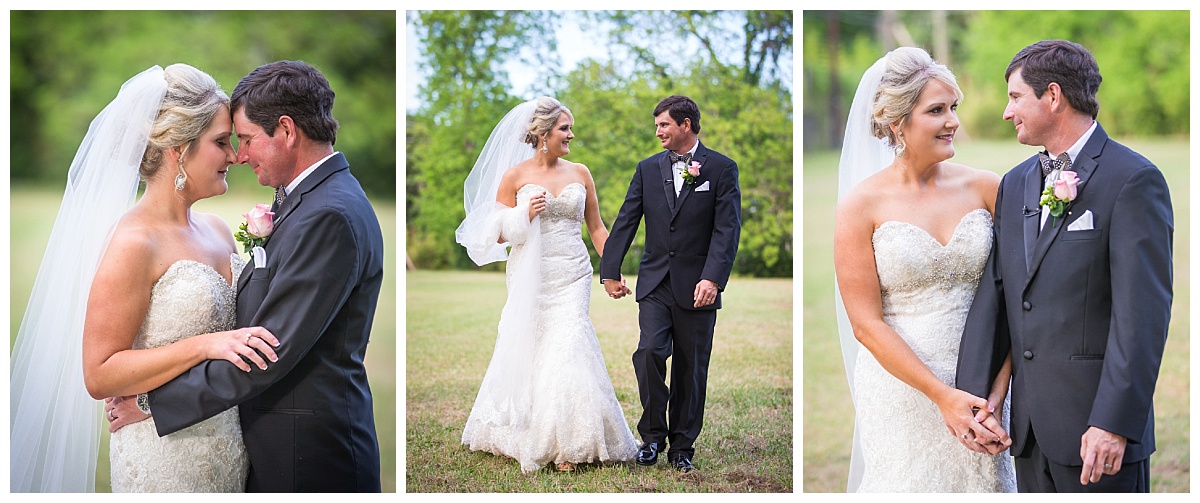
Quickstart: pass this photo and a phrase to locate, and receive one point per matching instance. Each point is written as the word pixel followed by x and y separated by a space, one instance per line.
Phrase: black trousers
pixel 672 416
pixel 1037 474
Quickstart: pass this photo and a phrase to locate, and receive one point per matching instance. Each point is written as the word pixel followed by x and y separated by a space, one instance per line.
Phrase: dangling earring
pixel 900 148
pixel 181 178
pixel 544 147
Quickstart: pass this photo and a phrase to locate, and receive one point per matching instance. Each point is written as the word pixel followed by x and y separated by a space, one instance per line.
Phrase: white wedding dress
pixel 927 291
pixel 574 416
pixel 189 299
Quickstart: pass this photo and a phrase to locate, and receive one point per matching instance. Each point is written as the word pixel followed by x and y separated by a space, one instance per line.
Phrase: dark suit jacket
pixel 1084 312
pixel 307 420
pixel 693 238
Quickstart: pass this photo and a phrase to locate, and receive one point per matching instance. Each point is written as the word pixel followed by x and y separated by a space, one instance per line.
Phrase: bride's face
pixel 558 139
pixel 208 160
pixel 929 133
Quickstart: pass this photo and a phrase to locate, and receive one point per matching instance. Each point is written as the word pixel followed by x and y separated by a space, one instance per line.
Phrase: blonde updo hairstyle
pixel 545 116
pixel 907 71
pixel 192 101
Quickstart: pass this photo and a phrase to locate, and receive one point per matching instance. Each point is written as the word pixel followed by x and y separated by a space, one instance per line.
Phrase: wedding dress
pixel 927 291
pixel 572 414
pixel 189 299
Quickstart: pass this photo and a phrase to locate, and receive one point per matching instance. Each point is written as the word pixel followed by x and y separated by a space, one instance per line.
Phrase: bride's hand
pixel 237 346
pixel 956 408
pixel 121 411
pixel 537 204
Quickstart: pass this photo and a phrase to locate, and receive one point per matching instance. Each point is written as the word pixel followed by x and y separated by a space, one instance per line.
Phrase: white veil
pixel 862 156
pixel 55 425
pixel 504 396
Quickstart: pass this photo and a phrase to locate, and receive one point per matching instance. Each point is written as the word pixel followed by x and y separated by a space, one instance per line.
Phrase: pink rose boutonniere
pixel 691 173
pixel 258 225
pixel 1059 194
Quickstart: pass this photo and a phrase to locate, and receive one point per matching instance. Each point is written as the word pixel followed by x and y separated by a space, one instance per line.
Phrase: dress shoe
pixel 683 463
pixel 647 454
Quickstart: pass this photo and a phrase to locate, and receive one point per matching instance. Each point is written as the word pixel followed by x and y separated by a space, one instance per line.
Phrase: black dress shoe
pixel 647 454
pixel 683 463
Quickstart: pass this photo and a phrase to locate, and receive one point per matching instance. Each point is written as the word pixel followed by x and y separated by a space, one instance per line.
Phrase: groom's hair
pixel 1065 62
pixel 292 88
pixel 680 108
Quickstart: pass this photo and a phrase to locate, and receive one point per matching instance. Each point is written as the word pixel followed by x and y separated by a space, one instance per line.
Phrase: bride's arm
pixel 118 302
pixel 858 280
pixel 591 213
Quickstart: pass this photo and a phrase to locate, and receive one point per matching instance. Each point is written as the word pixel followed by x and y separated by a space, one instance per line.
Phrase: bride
pixel 546 396
pixel 127 298
pixel 911 236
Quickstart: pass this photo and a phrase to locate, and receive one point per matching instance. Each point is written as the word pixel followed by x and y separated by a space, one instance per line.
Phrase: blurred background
pixel 1144 59
pixel 67 65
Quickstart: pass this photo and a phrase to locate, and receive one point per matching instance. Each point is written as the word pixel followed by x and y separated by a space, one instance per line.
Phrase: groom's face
pixel 1029 114
pixel 674 137
pixel 264 154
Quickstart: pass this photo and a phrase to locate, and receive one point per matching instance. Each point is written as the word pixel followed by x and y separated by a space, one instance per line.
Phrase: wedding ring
pixel 1107 466
pixel 110 416
pixel 248 336
pixel 964 436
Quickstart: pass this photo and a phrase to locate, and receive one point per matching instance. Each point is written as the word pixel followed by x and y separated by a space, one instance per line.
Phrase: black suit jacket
pixel 307 420
pixel 1085 312
pixel 694 236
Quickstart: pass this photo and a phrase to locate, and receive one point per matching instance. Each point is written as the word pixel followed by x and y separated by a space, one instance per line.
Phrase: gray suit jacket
pixel 307 420
pixel 1084 312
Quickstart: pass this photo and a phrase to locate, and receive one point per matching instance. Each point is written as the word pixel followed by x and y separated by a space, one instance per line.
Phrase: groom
pixel 690 199
pixel 1080 301
pixel 307 420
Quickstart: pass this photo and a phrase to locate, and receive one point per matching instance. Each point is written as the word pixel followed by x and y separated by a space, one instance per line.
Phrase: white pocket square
pixel 260 257
pixel 1083 223
pixel 703 187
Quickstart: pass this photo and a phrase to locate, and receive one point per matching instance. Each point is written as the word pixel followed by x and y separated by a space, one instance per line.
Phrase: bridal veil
pixel 55 425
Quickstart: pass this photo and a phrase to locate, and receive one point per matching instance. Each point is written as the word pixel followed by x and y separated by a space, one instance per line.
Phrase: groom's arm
pixel 985 340
pixel 317 271
pixel 1140 265
pixel 727 229
pixel 624 229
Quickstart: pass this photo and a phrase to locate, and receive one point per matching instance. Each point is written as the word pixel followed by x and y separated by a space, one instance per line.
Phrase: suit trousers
pixel 1037 474
pixel 674 415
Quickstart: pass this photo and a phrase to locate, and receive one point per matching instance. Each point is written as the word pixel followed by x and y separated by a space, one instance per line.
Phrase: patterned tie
pixel 1063 162
pixel 676 157
pixel 280 194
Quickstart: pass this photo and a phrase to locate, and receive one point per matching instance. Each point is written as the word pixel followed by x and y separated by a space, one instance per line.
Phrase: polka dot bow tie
pixel 1063 162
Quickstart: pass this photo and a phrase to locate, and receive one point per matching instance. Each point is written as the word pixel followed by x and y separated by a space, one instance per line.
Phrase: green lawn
pixel 828 412
pixel 746 445
pixel 32 213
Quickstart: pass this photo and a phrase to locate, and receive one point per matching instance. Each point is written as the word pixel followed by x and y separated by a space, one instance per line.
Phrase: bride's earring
pixel 545 149
pixel 181 178
pixel 900 148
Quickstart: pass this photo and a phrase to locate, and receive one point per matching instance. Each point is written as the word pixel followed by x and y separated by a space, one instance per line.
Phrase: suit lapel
pixel 1031 196
pixel 664 170
pixel 1084 166
pixel 244 278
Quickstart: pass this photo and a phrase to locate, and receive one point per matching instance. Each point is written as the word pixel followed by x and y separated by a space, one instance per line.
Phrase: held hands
pixel 705 293
pixel 1102 452
pixel 616 290
pixel 537 204
pixel 122 410
pixel 237 346
pixel 969 419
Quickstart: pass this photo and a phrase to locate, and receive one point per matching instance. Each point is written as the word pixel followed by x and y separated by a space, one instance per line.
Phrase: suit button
pixel 1028 355
pixel 672 254
pixel 672 228
pixel 1027 305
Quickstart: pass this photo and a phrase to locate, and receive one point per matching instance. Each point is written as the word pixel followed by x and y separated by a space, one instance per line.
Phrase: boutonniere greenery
pixel 258 225
pixel 691 173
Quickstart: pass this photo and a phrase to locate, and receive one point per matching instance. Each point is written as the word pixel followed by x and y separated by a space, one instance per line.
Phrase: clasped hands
pixel 972 420
pixel 704 295
pixel 616 289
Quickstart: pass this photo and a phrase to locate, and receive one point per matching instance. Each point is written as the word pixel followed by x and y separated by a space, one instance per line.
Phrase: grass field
pixel 32 213
pixel 828 413
pixel 746 445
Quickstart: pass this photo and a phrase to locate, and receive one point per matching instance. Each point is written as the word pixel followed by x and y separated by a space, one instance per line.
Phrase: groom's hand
pixel 705 294
pixel 616 289
pixel 1102 452
pixel 122 410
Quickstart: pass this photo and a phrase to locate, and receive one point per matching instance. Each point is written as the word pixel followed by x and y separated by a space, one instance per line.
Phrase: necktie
pixel 677 158
pixel 280 194
pixel 1063 162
